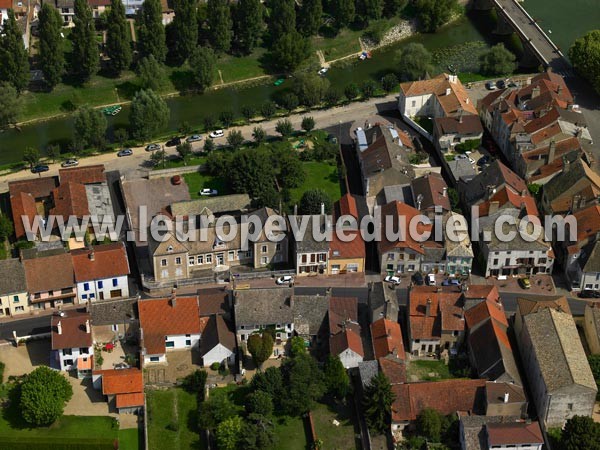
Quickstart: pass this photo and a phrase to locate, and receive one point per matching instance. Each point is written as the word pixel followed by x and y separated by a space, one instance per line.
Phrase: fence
pixel 165 173
pixel 262 274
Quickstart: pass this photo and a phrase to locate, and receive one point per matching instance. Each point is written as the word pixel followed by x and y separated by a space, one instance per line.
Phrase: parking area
pixel 541 284
pixel 24 358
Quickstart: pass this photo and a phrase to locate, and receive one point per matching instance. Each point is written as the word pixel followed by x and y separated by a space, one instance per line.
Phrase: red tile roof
pixel 348 206
pixel 70 199
pixel 342 310
pixel 73 331
pixel 5 4
pixel 130 400
pixel 387 339
pixel 49 273
pixel 22 199
pixel 433 190
pixel 121 381
pixel 165 317
pixel 354 248
pixel 484 291
pixel 501 434
pixel 348 339
pixel 452 312
pixel 446 397
pixel 451 103
pixel 37 187
pixel 22 205
pixel 588 222
pixel 394 369
pixel 212 301
pixel 483 311
pixel 445 312
pixel 109 260
pixel 507 195
pixel 395 210
pixel 83 175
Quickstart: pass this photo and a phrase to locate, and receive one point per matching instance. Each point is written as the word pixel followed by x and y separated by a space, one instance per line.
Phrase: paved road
pixel 25 327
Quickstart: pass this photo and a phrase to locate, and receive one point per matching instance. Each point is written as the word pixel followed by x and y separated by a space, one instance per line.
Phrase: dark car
pixel 588 293
pixel 418 279
pixel 332 138
pixel 451 282
pixel 40 168
pixel 500 84
pixel 174 142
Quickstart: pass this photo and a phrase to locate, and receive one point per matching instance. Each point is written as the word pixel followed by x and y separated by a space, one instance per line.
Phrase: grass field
pixel 319 175
pixel 172 420
pixel 235 68
pixel 289 434
pixel 197 181
pixel 177 162
pixel 424 370
pixel 334 437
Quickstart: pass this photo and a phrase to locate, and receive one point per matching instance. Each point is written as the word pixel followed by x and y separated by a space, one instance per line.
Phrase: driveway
pixel 25 358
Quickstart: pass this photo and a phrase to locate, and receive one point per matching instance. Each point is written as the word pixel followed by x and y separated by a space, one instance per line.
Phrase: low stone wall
pixel 166 173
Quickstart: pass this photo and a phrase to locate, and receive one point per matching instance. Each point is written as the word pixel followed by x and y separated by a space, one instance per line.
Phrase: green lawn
pixel 177 162
pixel 428 370
pixel 129 439
pixel 425 122
pixel 172 420
pixel 340 437
pixel 289 434
pixel 235 68
pixel 197 181
pixel 319 175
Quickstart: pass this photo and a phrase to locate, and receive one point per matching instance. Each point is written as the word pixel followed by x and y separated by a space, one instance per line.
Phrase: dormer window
pixel 170 248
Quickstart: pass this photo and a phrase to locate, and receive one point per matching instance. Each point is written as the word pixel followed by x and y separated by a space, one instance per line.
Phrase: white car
pixel 216 134
pixel 70 163
pixel 208 191
pixel 392 279
pixel 430 279
pixel 461 156
pixel 286 279
pixel 323 71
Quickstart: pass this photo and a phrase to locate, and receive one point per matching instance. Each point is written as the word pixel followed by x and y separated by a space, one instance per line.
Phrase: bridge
pixel 538 48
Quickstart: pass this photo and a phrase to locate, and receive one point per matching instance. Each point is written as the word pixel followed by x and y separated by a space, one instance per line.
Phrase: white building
pixel 71 335
pixel 13 288
pixel 218 342
pixel 101 272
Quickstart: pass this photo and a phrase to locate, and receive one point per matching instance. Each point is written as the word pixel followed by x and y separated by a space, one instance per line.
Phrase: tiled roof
pixel 495 175
pixel 445 311
pixel 446 397
pixel 49 273
pixel 594 309
pixel 309 313
pixel 348 339
pixel 354 248
pixel 213 301
pixel 451 103
pixel 73 332
pixel 37 187
pixel 511 434
pixel 163 317
pixel 588 222
pixel 12 277
pixel 431 190
pixel 507 195
pixel 387 339
pixel 121 381
pixel 482 291
pixel 215 205
pixel 342 310
pixel 70 199
pixel 495 391
pixel 101 262
pixel 394 369
pixel 83 175
pixel 347 206
pixel 263 306
pixel 452 312
pixel 465 124
pixel 532 303
pixel 395 210
pixel 130 400
pixel 22 199
pixel 22 205
pixel 216 332
pixel 484 310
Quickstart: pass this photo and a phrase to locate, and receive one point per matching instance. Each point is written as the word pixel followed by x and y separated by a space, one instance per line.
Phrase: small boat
pixel 112 110
pixel 279 82
pixel 323 71
pixel 116 111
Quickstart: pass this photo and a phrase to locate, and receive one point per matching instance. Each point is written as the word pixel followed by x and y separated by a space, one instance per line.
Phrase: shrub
pixel 215 366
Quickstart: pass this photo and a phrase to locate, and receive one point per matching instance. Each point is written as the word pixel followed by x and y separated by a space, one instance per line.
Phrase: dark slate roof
pixel 308 244
pixel 591 261
pixel 309 313
pixel 216 332
pixel 383 302
pixel 565 180
pixel 263 306
pixel 12 277
pixel 367 370
pixel 109 312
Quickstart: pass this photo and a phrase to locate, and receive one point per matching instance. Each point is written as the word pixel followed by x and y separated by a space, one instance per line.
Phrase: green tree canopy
pixel 184 30
pixel 378 399
pixel 581 432
pixel 432 14
pixel 51 56
pixel 269 381
pixel 336 377
pixel 219 20
pixel 14 62
pixel 304 383
pixel 289 51
pixel 203 62
pixel 308 123
pixel 414 62
pixel 309 19
pixel 89 128
pixel 259 134
pixel 429 424
pixel 311 200
pixel 151 31
pixel 282 18
pixel 31 156
pixel 351 91
pixel 12 104
pixel 235 139
pixel 249 24
pixel 118 44
pixel 215 410
pixel 44 393
pixel 85 59
pixel 259 402
pixel 257 433
pixel 585 55
pixel 151 73
pixel 370 9
pixel 229 433
pixel 184 150
pixel 394 7
pixel 149 114
pixel 389 82
pixel 268 110
pixel 289 101
pixel 297 346
pixel 343 12
pixel 6 227
pixel 291 173
pixel 497 61
pixel 310 88
pixel 284 128
pixel 260 346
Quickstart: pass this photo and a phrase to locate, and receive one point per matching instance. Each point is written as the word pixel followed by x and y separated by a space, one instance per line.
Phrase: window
pixel 200 259
pixel 570 406
pixel 303 259
pixel 92 295
pixel 178 261
pixel 322 257
pixel 163 263
pixel 243 337
pixel 86 286
pixel 542 260
pixel 114 327
pixel 277 247
pixel 231 256
pixel 170 248
pixel 188 342
pixel 164 274
pixel 191 260
pixel 187 335
pixel 263 249
pixel 412 256
pixel 170 344
pixel 115 282
pixel 264 260
pixel 84 350
pixel 208 259
pixel 414 103
pixel 68 362
pixel 154 359
pixel 313 258
pixel 19 309
pixel 495 263
pixel 83 296
pixel 391 256
pixel 100 284
pixel 67 351
pixel 16 299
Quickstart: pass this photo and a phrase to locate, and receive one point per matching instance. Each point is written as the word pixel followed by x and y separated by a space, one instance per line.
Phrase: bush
pixel 173 426
pixel 467 146
pixel 215 366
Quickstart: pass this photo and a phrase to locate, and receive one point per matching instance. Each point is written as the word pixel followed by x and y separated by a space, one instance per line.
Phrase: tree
pixel 304 383
pixel 248 112
pixel 219 20
pixel 289 51
pixel 209 146
pixel 51 56
pixel 195 382
pixel 282 19
pixel 351 91
pixel 269 381
pixel 214 410
pixel 184 30
pixel 498 60
pixel 394 7
pixel 310 88
pixel 149 114
pixel 415 62
pixel 268 110
pixel 311 201
pixel 44 393
pixel 202 61
pixel 336 377
pixel 11 103
pixel 118 45
pixel 6 227
pixel 53 152
pixel 158 157
pixel 184 150
pixel 209 122
pixel 297 346
pixel 343 12
pixel 14 63
pixel 581 432
pixel 31 156
pixel 235 139
pixel 284 128
pixel 429 424
pixel 259 134
pixel 89 128
pixel 85 58
pixel 260 347
pixel 432 14
pixel 226 117
pixel 289 101
pixel 292 172
pixel 585 56
pixel 248 25
pixel 151 73
pixel 378 399
pixel 151 31
pixel 308 123
pixel 229 433
pixel 332 96
pixel 368 88
pixel 259 402
pixel 257 433
pixel 371 9
pixel 309 20
pixel 389 82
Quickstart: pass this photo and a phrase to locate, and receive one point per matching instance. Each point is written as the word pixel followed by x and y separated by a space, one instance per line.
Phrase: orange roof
pixel 387 339
pixel 483 311
pixel 83 175
pixel 394 369
pixel 451 102
pixel 588 222
pixel 130 400
pixel 166 317
pixel 22 205
pixel 484 291
pixel 347 339
pixel 342 310
pixel 395 210
pixel 445 311
pixel 348 206
pixel 507 195
pixel 103 261
pixel 121 381
pixel 70 199
pixel 354 248
pixel 452 312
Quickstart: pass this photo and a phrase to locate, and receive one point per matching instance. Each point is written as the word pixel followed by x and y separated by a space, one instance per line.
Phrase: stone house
pixel 13 288
pixel 591 327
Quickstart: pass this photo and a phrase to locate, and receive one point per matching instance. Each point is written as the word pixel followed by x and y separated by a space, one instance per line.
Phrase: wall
pixel 218 354
pixel 161 359
pixel 421 348
pixel 350 358
pixel 8 301
pixel 180 341
pixel 401 261
pixel 343 265
pixel 591 334
pixel 272 254
pixel 104 292
pixel 514 255
pixel 171 271
pixel 166 173
pixel 73 356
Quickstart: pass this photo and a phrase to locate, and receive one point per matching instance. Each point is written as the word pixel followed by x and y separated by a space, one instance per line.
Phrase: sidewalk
pixel 541 284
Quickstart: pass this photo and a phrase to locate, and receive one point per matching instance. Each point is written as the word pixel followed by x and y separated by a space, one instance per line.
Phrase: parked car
pixel 501 84
pixel 490 86
pixel 125 152
pixel 286 279
pixel 485 159
pixel 70 163
pixel 216 134
pixel 588 293
pixel 152 147
pixel 430 279
pixel 173 142
pixel 524 283
pixel 194 138
pixel 450 282
pixel 40 168
pixel 323 71
pixel 417 278
pixel 208 191
pixel 464 156
pixel 392 280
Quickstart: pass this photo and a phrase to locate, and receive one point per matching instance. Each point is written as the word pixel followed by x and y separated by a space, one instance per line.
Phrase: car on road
pixel 125 152
pixel 208 191
pixel 216 134
pixel 152 147
pixel 525 283
pixel 173 142
pixel 588 293
pixel 40 168
pixel 70 163
pixel 463 156
pixel 286 279
pixel 194 138
pixel 501 84
pixel 490 86
pixel 392 280
pixel 417 278
pixel 450 282
pixel 430 279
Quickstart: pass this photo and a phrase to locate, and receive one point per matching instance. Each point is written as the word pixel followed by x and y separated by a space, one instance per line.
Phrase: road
pixel 24 327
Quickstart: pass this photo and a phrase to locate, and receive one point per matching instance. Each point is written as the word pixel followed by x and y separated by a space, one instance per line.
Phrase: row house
pixel 71 342
pixel 499 432
pixel 347 256
pixel 312 250
pixel 448 132
pixel 344 331
pixel 13 288
pixel 50 280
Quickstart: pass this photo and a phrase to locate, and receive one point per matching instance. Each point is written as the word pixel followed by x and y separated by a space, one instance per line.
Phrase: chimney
pixel 491 190
pixel 322 208
pixel 559 90
pixel 59 327
pixel 467 100
pixel 428 308
pixel 566 164
pixel 374 138
pixel 506 396
pixel 460 115
pixel 87 326
pixel 419 201
pixel 535 92
pixel 448 91
pixel 493 207
pixel 91 255
pixel 551 151
pixel 575 203
pixel 444 191
pixel 173 300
